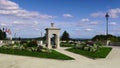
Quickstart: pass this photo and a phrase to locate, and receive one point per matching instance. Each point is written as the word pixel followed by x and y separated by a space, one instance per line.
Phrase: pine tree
pixel 65 36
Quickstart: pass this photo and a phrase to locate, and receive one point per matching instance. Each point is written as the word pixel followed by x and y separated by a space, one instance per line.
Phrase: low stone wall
pixel 114 43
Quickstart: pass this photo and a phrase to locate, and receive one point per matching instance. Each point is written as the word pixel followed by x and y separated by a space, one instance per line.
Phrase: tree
pixel 65 36
pixel 2 35
pixel 103 38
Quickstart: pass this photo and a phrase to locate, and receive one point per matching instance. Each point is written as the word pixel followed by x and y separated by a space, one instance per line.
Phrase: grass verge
pixel 52 55
pixel 100 53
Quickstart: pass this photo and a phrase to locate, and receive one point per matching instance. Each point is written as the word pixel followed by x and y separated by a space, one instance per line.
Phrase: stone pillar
pixel 48 41
pixel 40 42
pixel 57 41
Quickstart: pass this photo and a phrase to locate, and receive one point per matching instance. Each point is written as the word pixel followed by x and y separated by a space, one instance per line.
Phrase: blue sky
pixel 80 18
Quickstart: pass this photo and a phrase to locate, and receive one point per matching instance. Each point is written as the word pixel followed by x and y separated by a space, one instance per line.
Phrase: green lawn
pixel 100 53
pixel 52 55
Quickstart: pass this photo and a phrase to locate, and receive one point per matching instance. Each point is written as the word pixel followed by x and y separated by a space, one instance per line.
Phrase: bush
pixel 15 47
pixel 86 48
pixel 23 42
pixel 66 44
pixel 79 46
pixel 93 49
pixel 39 48
pixel 32 44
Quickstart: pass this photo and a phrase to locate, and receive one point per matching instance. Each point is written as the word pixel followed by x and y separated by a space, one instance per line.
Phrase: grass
pixel 100 53
pixel 52 55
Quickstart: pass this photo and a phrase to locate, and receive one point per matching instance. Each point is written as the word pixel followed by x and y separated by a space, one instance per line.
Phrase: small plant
pixel 86 48
pixel 93 49
pixel 39 48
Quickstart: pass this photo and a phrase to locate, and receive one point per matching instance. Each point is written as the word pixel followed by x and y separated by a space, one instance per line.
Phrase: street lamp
pixel 107 16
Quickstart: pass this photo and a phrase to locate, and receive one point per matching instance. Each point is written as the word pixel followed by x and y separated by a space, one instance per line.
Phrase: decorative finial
pixel 52 24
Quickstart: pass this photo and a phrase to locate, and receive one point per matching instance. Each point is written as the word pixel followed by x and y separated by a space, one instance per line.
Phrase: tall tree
pixel 2 35
pixel 65 36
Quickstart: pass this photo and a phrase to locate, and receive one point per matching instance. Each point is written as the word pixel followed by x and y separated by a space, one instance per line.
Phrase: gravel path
pixel 12 61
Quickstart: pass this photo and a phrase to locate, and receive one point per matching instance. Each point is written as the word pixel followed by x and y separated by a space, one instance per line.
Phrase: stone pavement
pixel 12 61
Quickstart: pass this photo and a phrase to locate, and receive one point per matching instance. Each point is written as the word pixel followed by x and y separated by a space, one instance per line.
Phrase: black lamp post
pixel 106 26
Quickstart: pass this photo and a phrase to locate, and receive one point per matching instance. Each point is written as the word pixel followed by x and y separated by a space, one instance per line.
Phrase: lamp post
pixel 107 16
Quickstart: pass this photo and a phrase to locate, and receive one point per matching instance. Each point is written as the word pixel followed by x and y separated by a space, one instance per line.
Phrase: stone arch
pixel 52 31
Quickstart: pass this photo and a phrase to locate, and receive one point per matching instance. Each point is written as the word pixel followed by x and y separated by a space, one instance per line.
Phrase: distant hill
pixel 104 37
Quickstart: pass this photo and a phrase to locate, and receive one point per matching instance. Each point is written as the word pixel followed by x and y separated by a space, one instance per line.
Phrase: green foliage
pixel 99 38
pixel 66 44
pixel 23 42
pixel 32 44
pixel 2 34
pixel 51 55
pixel 86 48
pixel 91 46
pixel 104 38
pixel 100 53
pixel 65 36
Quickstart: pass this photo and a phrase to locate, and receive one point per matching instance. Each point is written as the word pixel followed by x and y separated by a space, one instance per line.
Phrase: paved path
pixel 12 61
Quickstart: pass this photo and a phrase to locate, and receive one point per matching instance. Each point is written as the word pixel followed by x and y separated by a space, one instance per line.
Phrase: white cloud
pixel 85 20
pixel 17 23
pixel 97 14
pixel 36 22
pixel 88 29
pixel 3 24
pixel 8 7
pixel 113 23
pixel 94 23
pixel 67 15
pixel 37 29
pixel 114 13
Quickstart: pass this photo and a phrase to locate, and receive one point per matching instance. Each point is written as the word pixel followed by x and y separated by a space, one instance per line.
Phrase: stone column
pixel 49 41
pixel 57 41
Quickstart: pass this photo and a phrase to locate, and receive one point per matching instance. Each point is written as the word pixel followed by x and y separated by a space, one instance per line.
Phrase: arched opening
pixel 53 41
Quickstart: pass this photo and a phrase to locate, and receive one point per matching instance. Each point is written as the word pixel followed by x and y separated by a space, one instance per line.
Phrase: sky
pixel 80 18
